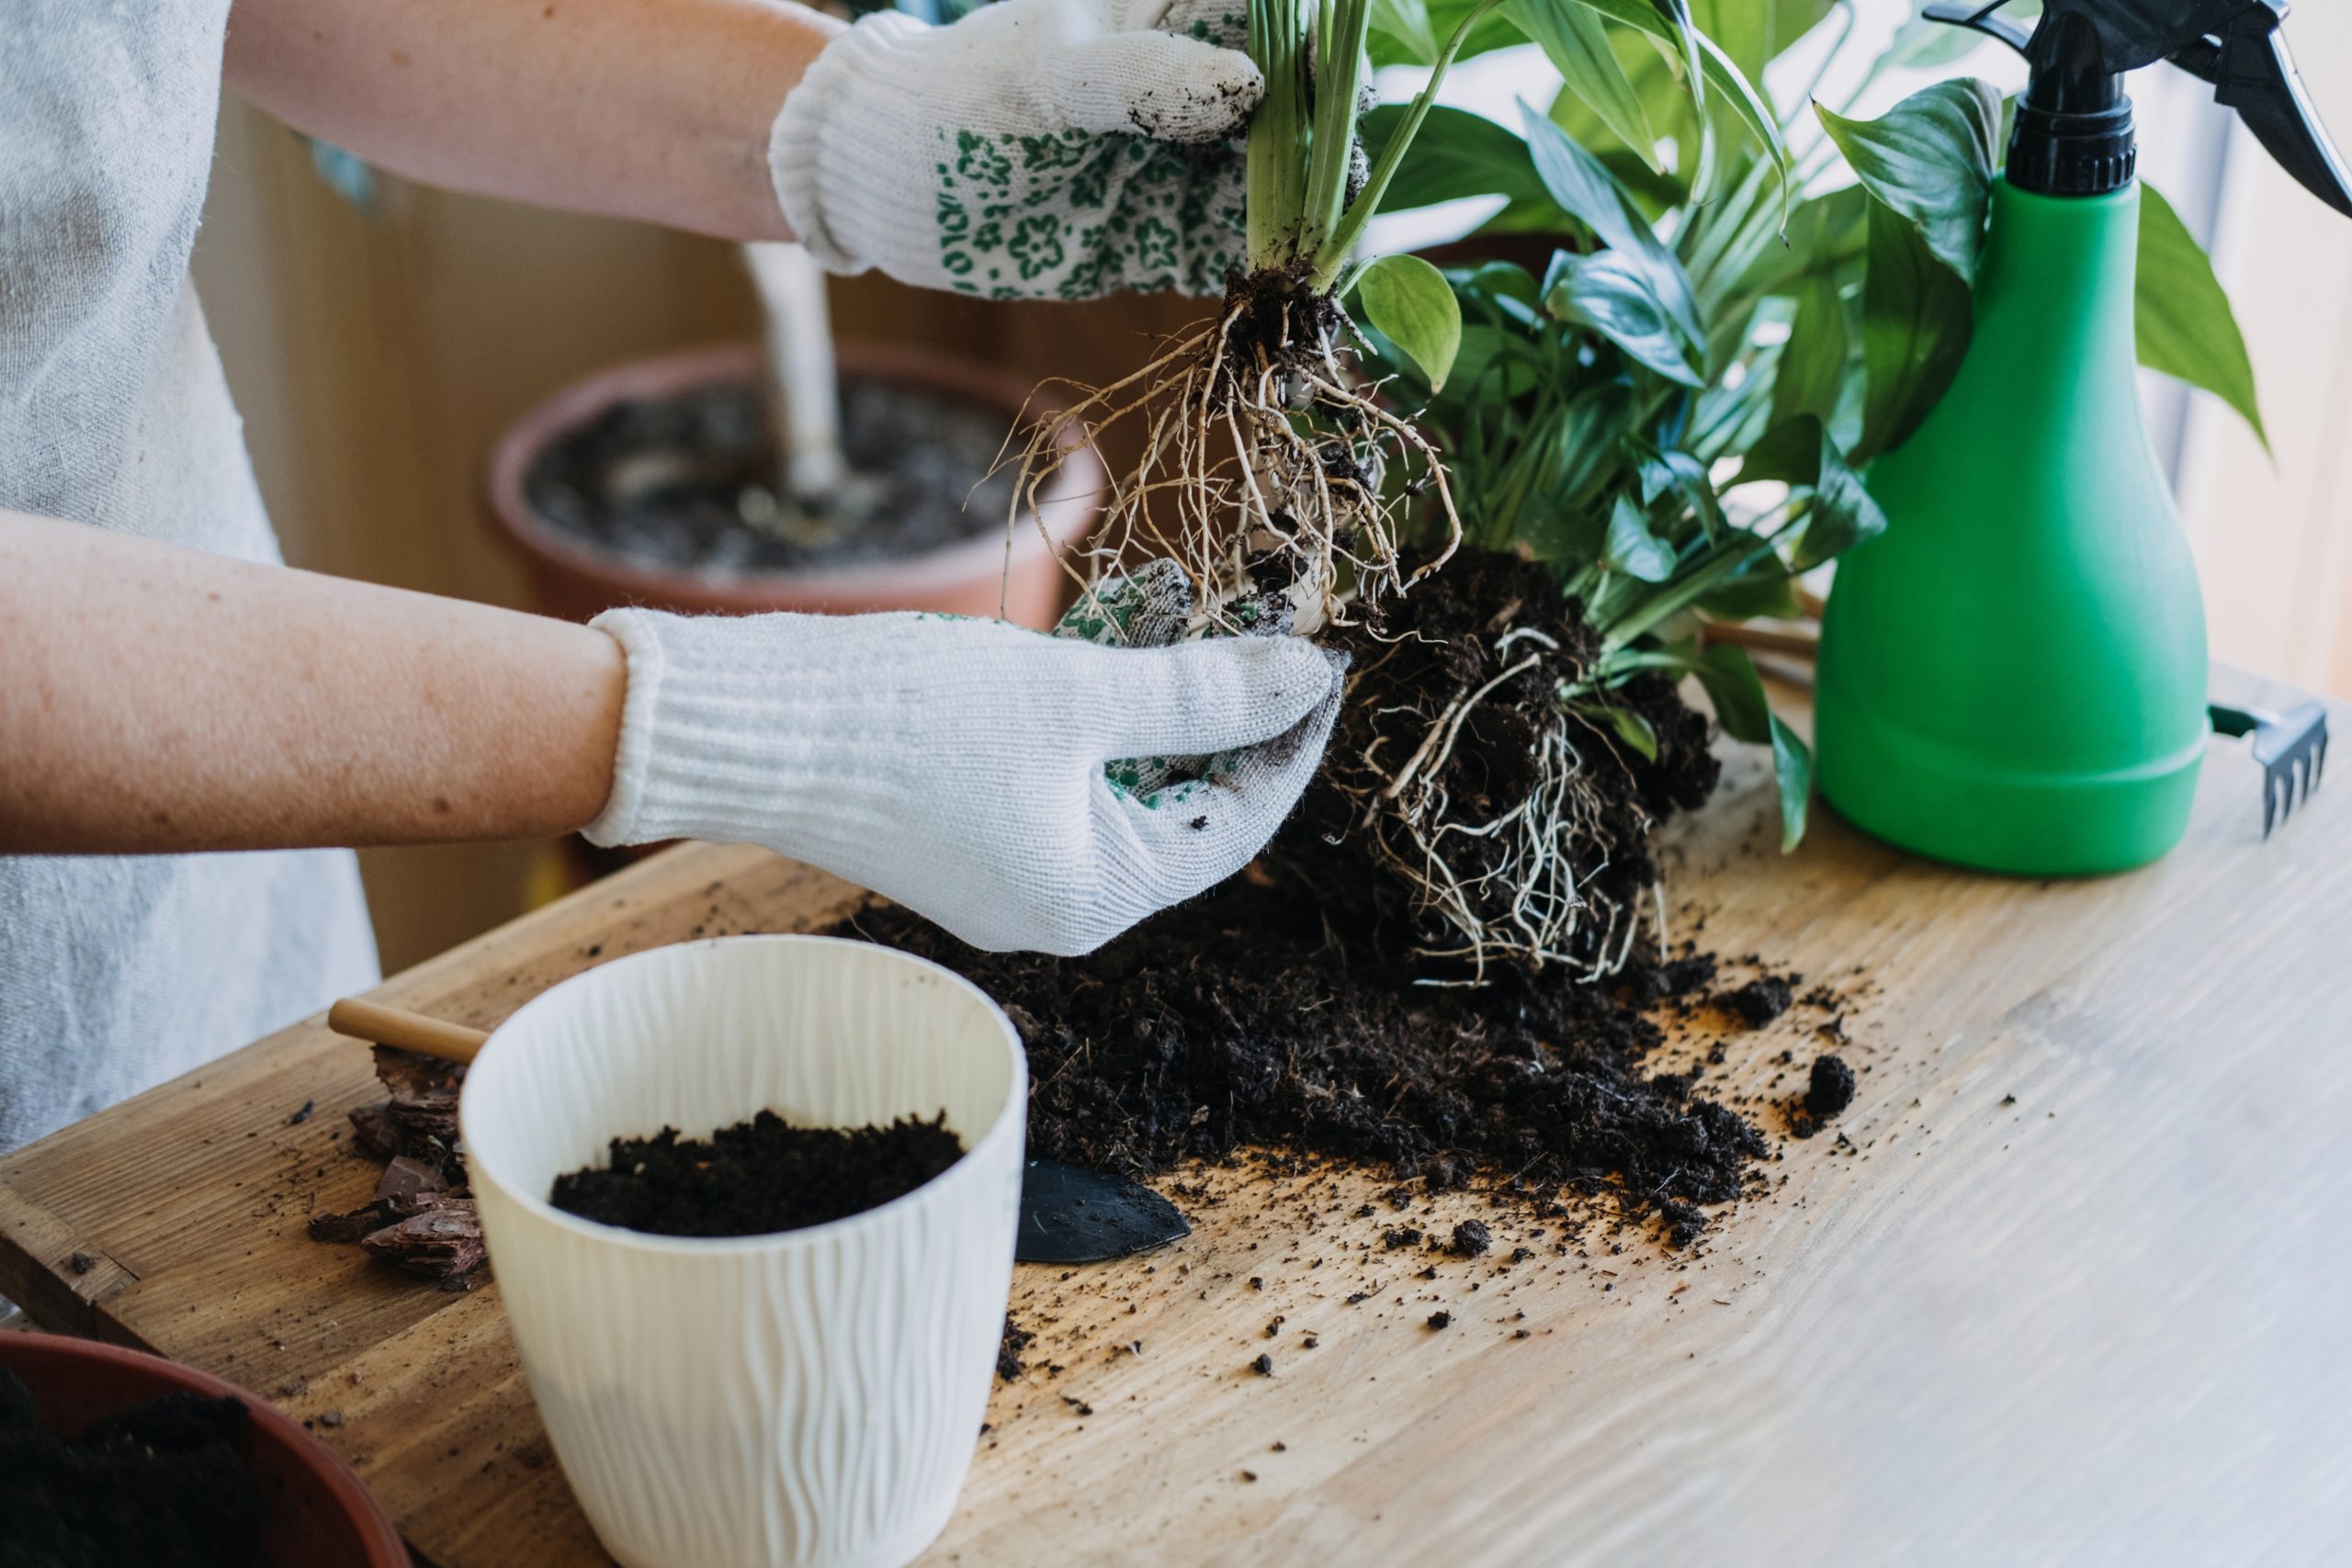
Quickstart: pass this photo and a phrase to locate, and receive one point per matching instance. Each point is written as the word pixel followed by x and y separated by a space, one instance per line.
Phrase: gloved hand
pixel 1034 149
pixel 957 766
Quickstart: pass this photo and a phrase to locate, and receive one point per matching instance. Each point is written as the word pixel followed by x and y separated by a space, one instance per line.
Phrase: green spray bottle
pixel 2013 675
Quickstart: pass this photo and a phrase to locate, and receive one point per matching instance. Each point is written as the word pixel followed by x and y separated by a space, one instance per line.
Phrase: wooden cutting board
pixel 2070 1281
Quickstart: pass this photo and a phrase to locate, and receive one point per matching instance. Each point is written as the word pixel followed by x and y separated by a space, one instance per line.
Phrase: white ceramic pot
pixel 811 1397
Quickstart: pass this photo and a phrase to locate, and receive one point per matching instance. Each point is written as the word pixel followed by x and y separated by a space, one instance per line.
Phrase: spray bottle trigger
pixel 1978 17
pixel 2253 73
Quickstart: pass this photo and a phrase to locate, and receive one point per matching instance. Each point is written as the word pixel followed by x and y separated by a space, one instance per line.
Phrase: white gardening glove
pixel 957 766
pixel 1034 149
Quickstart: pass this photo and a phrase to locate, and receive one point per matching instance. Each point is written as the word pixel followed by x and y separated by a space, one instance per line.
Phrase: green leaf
pixel 2186 326
pixel 1406 22
pixel 1577 44
pixel 1932 159
pixel 1810 376
pixel 1840 512
pixel 1584 188
pixel 1916 326
pixel 1454 154
pixel 1737 692
pixel 1792 768
pixel 1632 548
pixel 1631 727
pixel 1414 308
pixel 1743 28
pixel 1763 589
pixel 1711 64
pixel 1617 296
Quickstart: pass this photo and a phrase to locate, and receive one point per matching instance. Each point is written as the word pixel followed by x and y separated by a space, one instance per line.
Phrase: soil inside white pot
pixel 692 481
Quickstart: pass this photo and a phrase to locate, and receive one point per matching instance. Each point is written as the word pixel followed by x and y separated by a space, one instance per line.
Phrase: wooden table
pixel 2070 1287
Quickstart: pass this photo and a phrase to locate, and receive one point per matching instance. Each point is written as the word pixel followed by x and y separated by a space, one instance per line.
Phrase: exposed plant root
pixel 1462 795
pixel 1264 463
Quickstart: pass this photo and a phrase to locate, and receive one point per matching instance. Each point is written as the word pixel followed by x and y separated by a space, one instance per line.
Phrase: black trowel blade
pixel 1069 1215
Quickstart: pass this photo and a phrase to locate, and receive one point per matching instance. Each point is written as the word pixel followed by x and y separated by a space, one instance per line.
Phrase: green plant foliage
pixel 1413 307
pixel 2185 323
pixel 1711 323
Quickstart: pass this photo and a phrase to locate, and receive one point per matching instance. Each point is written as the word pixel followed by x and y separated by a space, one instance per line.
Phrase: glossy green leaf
pixel 1742 29
pixel 1633 549
pixel 1588 193
pixel 1413 306
pixel 1617 296
pixel 1454 154
pixel 1793 770
pixel 1725 80
pixel 1406 23
pixel 2186 326
pixel 1932 159
pixel 1915 323
pixel 1839 513
pixel 1810 376
pixel 1577 44
pixel 1764 588
pixel 1736 693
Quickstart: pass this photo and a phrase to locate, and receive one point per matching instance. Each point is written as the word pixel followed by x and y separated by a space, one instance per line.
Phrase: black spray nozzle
pixel 2074 124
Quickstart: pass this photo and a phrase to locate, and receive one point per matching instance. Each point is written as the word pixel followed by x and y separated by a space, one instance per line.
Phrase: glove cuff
pixel 827 111
pixel 700 753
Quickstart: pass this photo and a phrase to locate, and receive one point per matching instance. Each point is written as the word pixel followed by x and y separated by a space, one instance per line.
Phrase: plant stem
pixel 1277 145
pixel 1331 257
pixel 1339 41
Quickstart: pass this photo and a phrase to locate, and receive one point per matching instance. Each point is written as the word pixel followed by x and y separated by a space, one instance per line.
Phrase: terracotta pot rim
pixel 381 1542
pixel 1069 505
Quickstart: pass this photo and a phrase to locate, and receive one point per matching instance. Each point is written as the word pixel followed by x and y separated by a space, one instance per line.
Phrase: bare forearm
pixel 158 699
pixel 656 109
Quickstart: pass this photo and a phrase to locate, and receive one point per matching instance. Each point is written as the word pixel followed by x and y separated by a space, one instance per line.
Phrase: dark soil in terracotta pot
pixel 689 481
pixel 166 1484
pixel 757 1176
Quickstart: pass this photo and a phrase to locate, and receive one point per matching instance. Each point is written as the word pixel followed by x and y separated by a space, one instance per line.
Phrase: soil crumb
pixel 1009 1364
pixel 757 1176
pixel 691 482
pixel 1249 1018
pixel 1830 1088
pixel 165 1484
pixel 1759 1001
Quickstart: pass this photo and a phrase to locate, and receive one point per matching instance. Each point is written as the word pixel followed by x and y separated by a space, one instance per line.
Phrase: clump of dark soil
pixel 1829 1089
pixel 1759 1001
pixel 1252 1017
pixel 1015 1339
pixel 422 1217
pixel 1459 799
pixel 757 1176
pixel 691 482
pixel 165 1484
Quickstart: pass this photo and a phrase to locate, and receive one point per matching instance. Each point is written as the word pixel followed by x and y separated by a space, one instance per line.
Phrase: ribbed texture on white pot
pixel 762 1402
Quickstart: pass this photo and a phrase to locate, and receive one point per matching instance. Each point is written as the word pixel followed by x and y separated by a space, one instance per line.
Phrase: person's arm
pixel 655 109
pixel 156 699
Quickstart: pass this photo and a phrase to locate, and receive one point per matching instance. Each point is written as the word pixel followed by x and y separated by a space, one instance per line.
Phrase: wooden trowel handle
pixel 409 1031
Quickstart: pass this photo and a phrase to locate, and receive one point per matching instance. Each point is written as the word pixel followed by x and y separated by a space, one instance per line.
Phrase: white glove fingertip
pixel 1168 88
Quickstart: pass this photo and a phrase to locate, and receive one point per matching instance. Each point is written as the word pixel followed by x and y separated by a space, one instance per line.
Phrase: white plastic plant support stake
pixel 802 1400
pixel 803 389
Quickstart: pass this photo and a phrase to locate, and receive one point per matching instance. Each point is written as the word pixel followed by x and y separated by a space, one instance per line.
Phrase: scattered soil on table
pixel 691 482
pixel 165 1484
pixel 1249 1018
pixel 757 1176
pixel 1759 1001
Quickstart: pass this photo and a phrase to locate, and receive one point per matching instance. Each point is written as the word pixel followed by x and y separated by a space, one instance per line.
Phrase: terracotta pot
pixel 572 577
pixel 315 1511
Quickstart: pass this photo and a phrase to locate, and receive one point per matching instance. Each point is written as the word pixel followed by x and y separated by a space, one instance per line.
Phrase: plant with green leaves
pixel 1673 411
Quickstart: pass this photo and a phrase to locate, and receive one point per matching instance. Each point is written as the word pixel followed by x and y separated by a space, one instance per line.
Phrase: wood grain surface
pixel 2065 1284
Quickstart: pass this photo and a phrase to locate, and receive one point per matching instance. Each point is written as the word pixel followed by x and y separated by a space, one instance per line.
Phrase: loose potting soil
pixel 691 482
pixel 1249 1018
pixel 757 1176
pixel 165 1485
